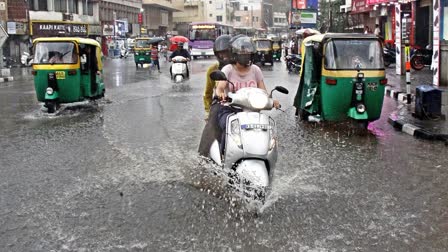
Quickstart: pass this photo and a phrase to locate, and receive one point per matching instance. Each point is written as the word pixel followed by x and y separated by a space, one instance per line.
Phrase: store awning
pixel 360 6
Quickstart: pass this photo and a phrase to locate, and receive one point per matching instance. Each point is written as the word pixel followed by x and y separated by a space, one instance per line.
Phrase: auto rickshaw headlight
pixel 49 91
pixel 361 108
pixel 258 100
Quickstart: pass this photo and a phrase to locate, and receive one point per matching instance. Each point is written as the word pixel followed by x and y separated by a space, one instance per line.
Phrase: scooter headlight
pixel 136 53
pixel 49 91
pixel 258 100
pixel 361 108
pixel 235 132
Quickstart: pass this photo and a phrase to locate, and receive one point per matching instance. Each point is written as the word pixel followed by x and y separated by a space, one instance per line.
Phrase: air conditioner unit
pixel 67 17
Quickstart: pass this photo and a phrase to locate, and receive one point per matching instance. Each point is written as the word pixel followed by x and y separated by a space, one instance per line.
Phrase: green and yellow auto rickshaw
pixel 342 77
pixel 142 51
pixel 264 51
pixel 277 48
pixel 67 70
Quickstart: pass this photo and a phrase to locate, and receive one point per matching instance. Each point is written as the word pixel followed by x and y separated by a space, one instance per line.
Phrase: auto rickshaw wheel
pixel 302 114
pixel 363 124
pixel 51 106
pixel 136 65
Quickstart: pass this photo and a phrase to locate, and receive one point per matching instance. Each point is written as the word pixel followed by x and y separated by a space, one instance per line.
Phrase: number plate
pixel 142 59
pixel 202 53
pixel 60 75
pixel 358 91
pixel 255 126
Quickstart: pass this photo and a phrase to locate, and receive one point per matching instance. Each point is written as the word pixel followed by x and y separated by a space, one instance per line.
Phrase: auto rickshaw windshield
pixel 353 54
pixel 263 44
pixel 142 43
pixel 55 53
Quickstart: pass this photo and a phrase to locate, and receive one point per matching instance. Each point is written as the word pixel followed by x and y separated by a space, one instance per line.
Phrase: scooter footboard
pixel 255 171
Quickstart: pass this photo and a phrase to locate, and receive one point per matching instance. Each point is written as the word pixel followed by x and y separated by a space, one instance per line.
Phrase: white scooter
pixel 124 53
pixel 251 141
pixel 179 68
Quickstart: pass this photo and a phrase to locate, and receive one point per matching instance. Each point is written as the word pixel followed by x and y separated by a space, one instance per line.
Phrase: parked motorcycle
pixel 421 58
pixel 179 69
pixel 389 55
pixel 251 142
pixel 293 63
pixel 26 59
pixel 8 62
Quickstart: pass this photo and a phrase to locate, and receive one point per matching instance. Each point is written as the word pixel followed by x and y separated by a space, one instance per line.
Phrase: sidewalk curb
pixel 415 131
pixel 396 95
pixel 6 79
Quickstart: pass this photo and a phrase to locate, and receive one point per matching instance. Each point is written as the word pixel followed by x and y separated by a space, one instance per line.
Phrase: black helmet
pixel 222 44
pixel 242 49
pixel 180 44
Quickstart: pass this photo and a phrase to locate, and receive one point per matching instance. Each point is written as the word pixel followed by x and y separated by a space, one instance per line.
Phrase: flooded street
pixel 123 174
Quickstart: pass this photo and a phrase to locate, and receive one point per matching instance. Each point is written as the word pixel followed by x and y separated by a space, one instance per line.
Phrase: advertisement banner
pixel 108 30
pixel 303 19
pixel 373 2
pixel 436 43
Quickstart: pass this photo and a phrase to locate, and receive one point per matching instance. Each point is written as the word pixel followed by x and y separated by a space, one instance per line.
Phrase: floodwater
pixel 122 174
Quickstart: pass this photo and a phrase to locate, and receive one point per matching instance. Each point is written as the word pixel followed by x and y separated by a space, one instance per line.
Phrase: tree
pixel 330 19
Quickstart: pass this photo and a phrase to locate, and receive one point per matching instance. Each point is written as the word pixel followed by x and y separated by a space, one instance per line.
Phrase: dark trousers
pixel 156 63
pixel 223 113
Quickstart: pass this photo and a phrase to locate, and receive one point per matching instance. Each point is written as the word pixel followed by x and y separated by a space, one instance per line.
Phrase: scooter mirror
pixel 281 90
pixel 218 76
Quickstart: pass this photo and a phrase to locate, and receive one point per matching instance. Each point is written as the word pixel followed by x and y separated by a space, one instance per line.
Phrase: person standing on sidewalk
pixel 155 56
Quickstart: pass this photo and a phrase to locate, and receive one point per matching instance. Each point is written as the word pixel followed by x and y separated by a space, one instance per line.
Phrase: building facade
pixel 193 11
pixel 119 20
pixel 158 16
pixel 44 18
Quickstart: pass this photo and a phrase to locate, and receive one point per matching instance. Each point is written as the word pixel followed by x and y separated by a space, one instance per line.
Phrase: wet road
pixel 123 175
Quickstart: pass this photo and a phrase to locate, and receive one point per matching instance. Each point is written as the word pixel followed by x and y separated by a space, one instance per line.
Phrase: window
pixel 38 5
pixel 87 10
pixel 210 2
pixel 211 15
pixel 55 53
pixel 246 8
pixel 353 54
pixel 218 18
pixel 60 5
pixel 73 6
pixel 238 19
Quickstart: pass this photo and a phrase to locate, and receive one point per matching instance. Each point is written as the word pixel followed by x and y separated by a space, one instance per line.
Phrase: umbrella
pixel 155 40
pixel 311 31
pixel 177 39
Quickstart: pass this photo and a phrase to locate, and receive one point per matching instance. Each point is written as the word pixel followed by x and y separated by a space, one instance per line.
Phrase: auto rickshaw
pixel 342 77
pixel 277 48
pixel 142 51
pixel 264 51
pixel 67 70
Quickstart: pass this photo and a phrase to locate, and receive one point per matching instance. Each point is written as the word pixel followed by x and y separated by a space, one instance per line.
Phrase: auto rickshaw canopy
pixel 86 41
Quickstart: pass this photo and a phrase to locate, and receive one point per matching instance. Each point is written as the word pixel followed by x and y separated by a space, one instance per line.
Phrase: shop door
pixel 422 27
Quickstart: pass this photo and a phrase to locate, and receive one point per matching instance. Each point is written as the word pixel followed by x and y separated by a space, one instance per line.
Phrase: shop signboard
pixel 121 27
pixel 304 19
pixel 95 30
pixel 49 29
pixel 16 28
pixel 108 30
pixel 360 6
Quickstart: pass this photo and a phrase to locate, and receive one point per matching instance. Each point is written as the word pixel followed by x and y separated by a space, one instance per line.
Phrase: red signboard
pixel 299 4
pixel 359 6
pixel 140 18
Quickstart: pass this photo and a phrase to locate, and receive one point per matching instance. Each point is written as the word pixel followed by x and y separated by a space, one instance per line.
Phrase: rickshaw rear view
pixel 67 70
pixel 342 77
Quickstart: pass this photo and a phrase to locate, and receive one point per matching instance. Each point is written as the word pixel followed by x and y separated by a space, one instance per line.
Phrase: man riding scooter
pixel 180 51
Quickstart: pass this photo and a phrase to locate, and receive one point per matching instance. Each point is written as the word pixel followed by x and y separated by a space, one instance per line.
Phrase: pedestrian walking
pixel 155 56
